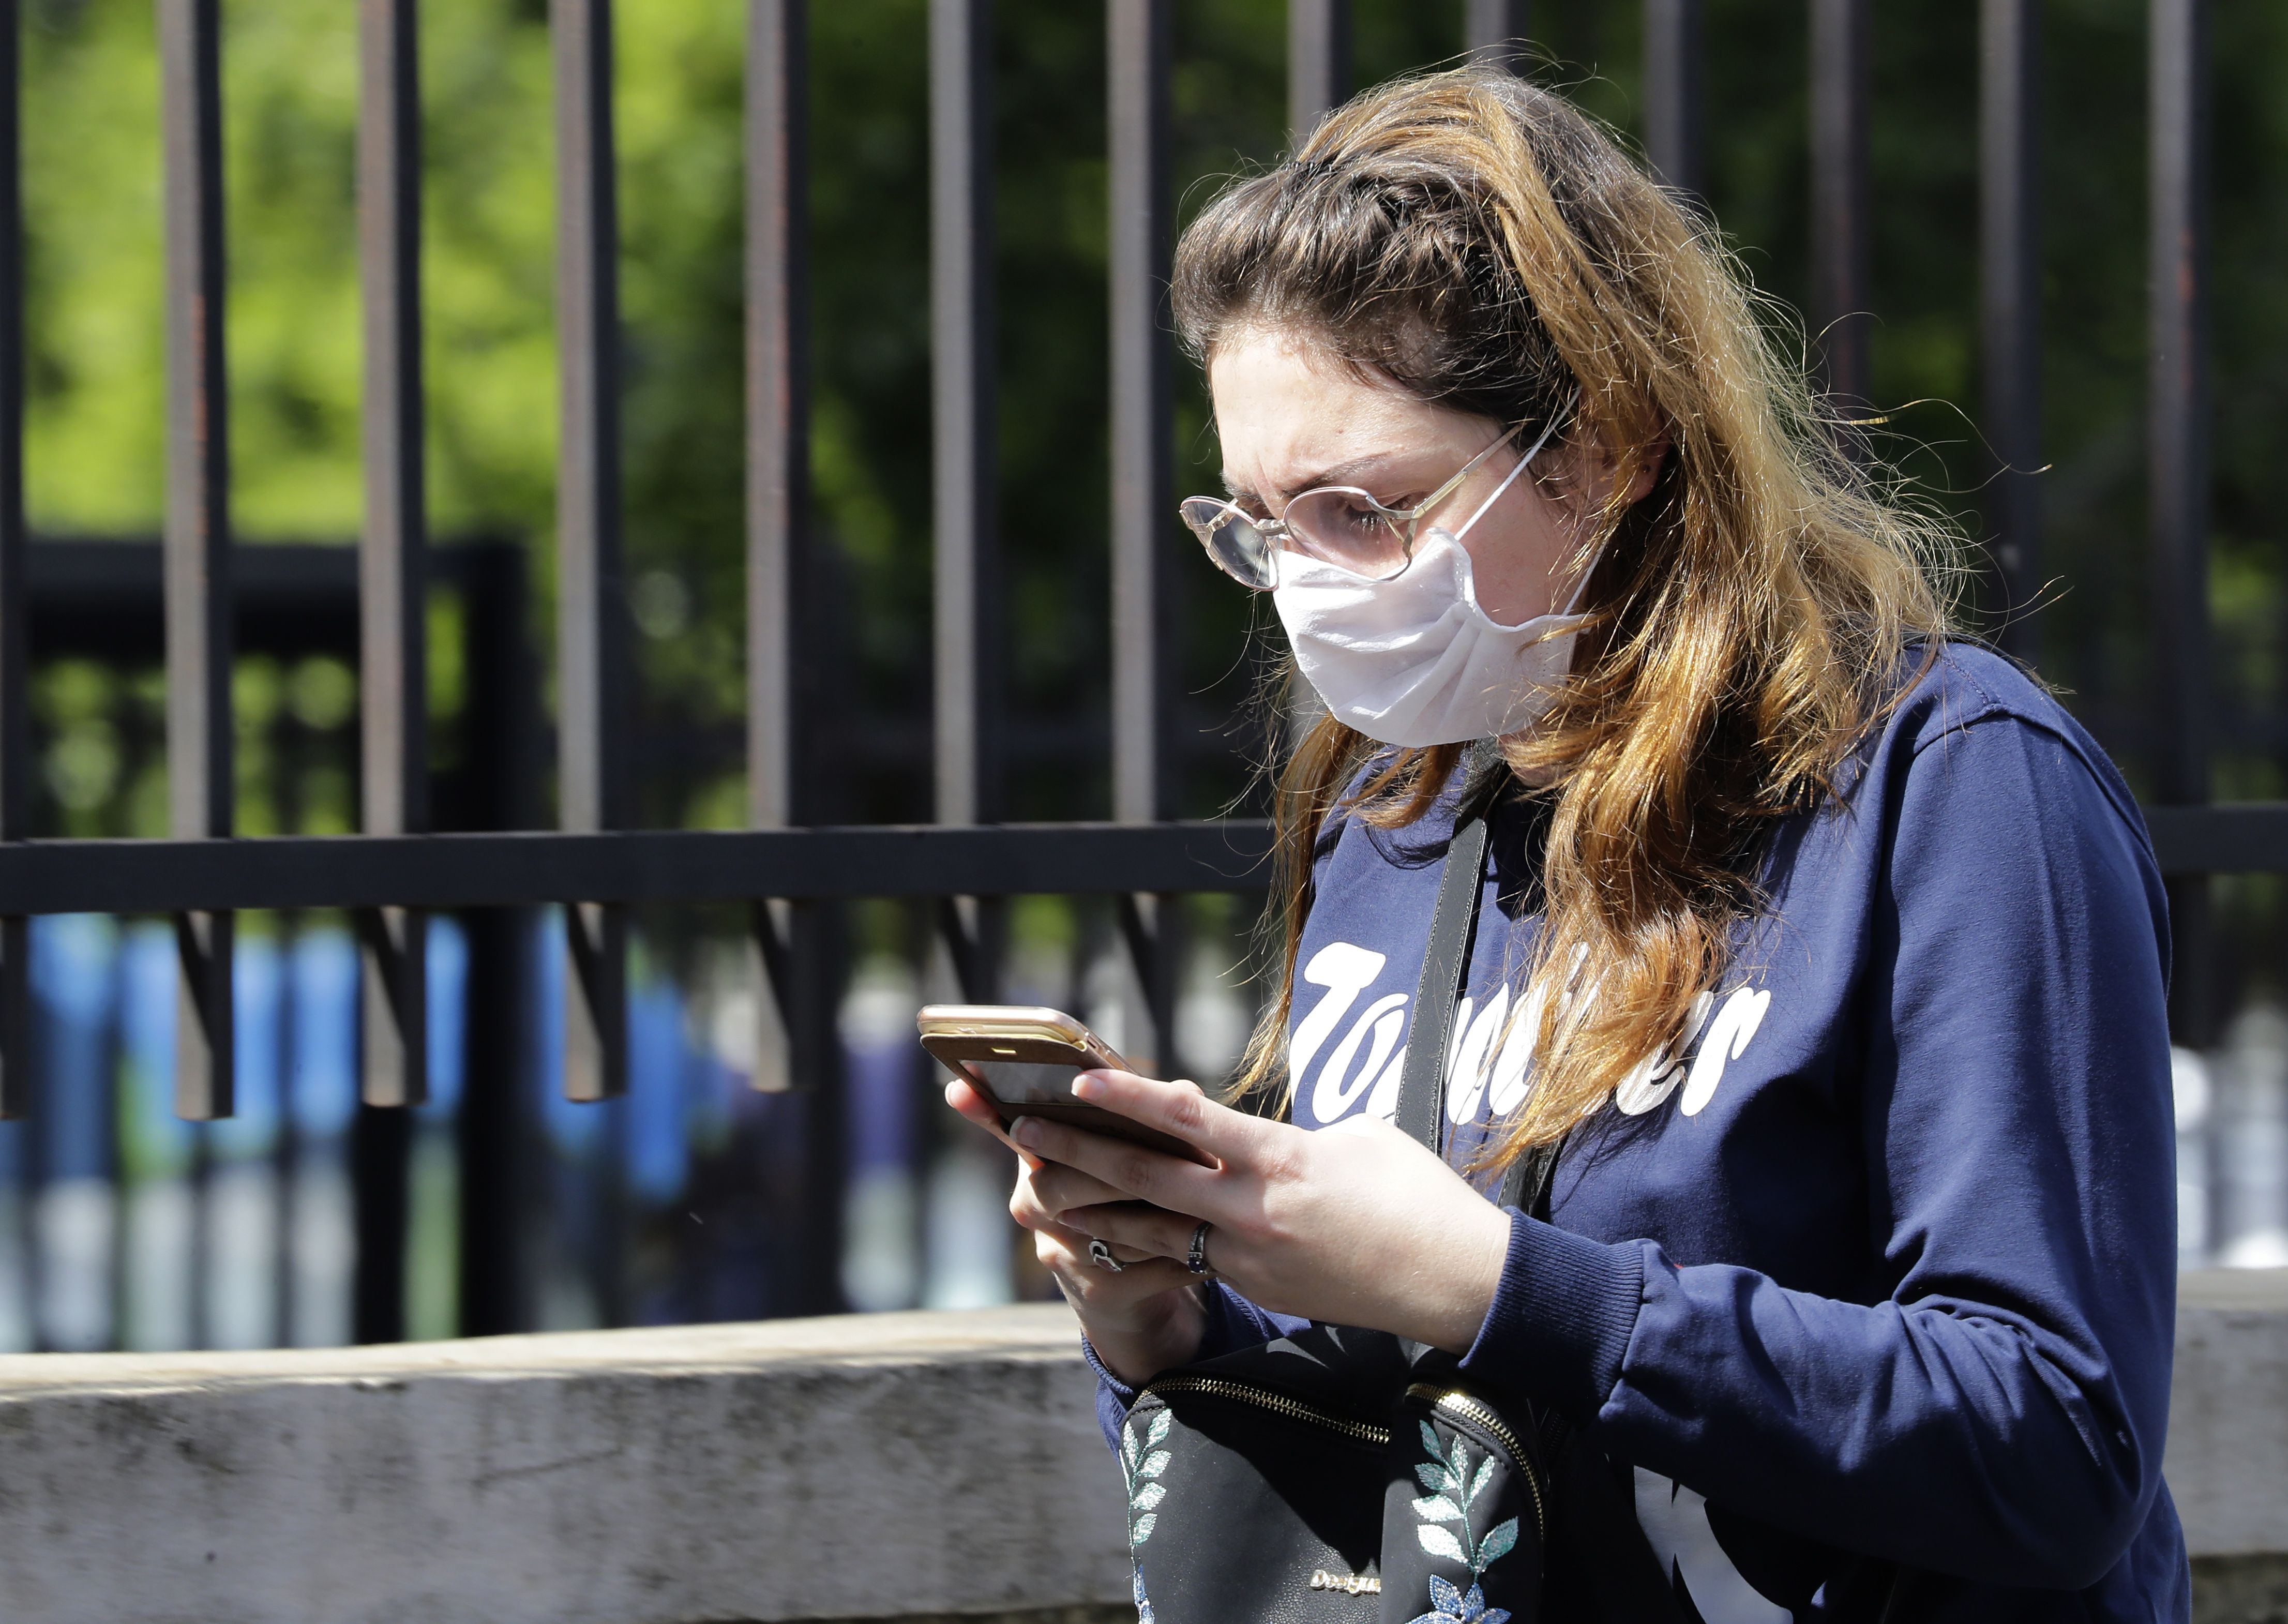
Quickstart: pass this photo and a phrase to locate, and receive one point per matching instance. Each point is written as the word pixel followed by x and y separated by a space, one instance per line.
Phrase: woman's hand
pixel 1357 1223
pixel 1142 1320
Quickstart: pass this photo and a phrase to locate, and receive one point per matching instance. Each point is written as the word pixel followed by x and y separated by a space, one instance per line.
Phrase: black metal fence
pixel 789 873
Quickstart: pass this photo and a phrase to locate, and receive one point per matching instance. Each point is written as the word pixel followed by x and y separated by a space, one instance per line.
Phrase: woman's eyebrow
pixel 1354 471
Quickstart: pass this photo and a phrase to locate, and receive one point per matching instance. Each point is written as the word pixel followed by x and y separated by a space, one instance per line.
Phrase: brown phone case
pixel 957 1035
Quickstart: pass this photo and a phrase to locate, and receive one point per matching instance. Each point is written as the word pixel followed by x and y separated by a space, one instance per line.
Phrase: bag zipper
pixel 1278 1403
pixel 1461 1403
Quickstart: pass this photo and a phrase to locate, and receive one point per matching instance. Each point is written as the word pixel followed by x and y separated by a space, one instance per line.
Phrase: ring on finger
pixel 1196 1259
pixel 1101 1254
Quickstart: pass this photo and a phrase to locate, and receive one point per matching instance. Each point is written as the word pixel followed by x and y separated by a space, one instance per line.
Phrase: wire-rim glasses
pixel 1339 524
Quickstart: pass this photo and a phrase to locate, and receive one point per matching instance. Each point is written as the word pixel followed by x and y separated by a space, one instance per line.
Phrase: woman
pixel 1831 951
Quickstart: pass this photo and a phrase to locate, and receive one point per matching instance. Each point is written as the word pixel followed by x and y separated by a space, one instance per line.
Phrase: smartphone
pixel 1024 1059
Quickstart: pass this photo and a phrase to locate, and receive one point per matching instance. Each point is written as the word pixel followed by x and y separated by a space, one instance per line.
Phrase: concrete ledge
pixel 893 1466
pixel 915 1467
pixel 2228 1459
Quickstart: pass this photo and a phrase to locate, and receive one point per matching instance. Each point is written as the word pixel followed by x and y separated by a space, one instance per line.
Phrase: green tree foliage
pixel 96 453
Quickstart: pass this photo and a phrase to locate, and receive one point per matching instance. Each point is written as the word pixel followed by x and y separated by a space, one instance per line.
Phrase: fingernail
pixel 1025 1131
pixel 1087 1085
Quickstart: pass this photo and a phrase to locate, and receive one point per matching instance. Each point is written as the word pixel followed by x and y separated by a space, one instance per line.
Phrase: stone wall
pixel 916 1467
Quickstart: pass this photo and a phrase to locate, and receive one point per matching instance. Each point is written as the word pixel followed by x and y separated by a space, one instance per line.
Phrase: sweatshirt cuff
pixel 1560 1319
pixel 1120 1390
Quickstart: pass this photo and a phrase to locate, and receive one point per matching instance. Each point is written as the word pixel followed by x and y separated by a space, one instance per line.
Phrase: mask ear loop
pixel 1510 478
pixel 1523 463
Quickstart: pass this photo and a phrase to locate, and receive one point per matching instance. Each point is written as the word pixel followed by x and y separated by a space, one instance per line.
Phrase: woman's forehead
pixel 1289 413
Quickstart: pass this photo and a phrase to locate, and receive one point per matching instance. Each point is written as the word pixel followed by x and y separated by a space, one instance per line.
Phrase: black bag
pixel 1341 1473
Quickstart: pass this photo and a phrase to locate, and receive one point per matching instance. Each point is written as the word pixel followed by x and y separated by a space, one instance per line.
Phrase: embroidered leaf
pixel 1500 1540
pixel 1153 1464
pixel 1430 1442
pixel 1143 1529
pixel 1485 1474
pixel 1440 1542
pixel 1445 1594
pixel 1438 1509
pixel 1129 1448
pixel 1461 1461
pixel 1150 1495
pixel 1433 1477
pixel 1159 1426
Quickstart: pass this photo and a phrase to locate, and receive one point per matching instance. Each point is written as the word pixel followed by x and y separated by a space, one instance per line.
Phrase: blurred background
pixel 121 1226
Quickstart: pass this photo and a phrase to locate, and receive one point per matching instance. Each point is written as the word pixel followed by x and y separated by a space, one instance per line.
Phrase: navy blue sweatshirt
pixel 1881 1267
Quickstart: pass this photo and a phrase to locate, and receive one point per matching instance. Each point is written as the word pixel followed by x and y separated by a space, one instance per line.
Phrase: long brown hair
pixel 1486 246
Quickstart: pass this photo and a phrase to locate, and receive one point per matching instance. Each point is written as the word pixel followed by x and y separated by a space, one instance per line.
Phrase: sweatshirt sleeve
pixel 1233 1323
pixel 2000 1416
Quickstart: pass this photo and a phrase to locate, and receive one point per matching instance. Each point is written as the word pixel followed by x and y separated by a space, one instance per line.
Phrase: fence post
pixel 1675 73
pixel 1318 63
pixel 2010 287
pixel 1840 238
pixel 969 668
pixel 2177 449
pixel 198 590
pixel 1497 32
pixel 393 558
pixel 1139 60
pixel 15 586
pixel 594 671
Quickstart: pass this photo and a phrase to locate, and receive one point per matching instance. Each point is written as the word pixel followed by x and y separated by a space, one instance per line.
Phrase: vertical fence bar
pixel 1495 31
pixel 2177 449
pixel 968 550
pixel 1675 72
pixel 1139 60
pixel 781 684
pixel 1840 237
pixel 783 673
pixel 2010 303
pixel 1318 63
pixel 198 590
pixel 797 944
pixel 496 787
pixel 15 587
pixel 393 560
pixel 593 667
pixel 969 672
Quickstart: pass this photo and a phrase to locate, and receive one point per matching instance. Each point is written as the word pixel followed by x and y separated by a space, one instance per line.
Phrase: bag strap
pixel 1422 1083
pixel 1526 1185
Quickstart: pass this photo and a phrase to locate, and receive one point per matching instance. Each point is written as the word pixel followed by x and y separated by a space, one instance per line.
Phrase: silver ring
pixel 1099 1253
pixel 1197 1259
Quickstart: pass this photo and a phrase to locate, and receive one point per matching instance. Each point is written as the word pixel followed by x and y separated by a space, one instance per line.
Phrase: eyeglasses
pixel 1339 524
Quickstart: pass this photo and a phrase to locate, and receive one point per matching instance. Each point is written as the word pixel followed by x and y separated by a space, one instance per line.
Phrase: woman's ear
pixel 1596 466
pixel 1647 472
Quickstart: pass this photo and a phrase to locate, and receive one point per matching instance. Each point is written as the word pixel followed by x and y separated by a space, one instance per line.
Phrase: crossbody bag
pixel 1348 1474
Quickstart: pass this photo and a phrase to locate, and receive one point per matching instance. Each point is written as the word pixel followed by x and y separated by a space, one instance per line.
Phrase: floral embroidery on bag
pixel 1141 1464
pixel 1452 1489
pixel 1453 1605
pixel 1143 1471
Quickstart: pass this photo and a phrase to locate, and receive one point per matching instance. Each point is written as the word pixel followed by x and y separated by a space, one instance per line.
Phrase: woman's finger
pixel 1130 1169
pixel 1082 1278
pixel 1058 1188
pixel 1182 1110
pixel 1132 1226
pixel 1027 1208
pixel 965 1098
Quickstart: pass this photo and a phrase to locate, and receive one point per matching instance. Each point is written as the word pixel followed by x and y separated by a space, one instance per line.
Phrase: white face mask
pixel 1413 660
